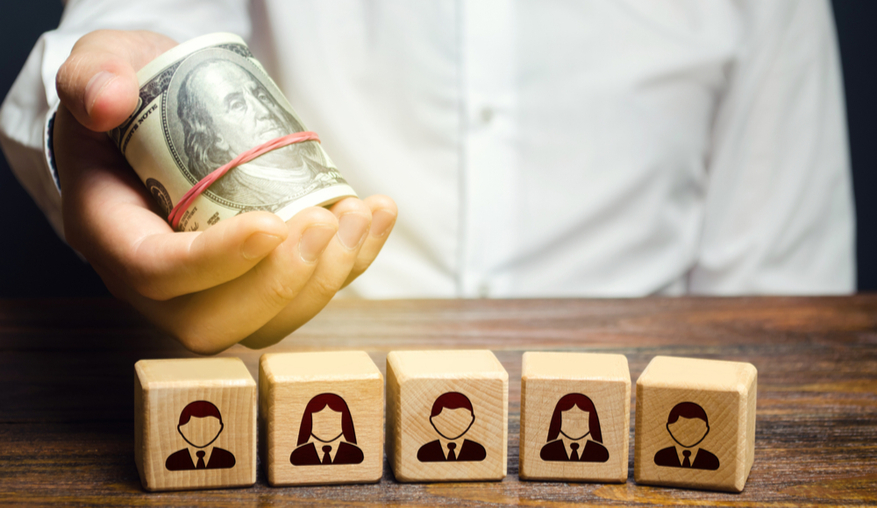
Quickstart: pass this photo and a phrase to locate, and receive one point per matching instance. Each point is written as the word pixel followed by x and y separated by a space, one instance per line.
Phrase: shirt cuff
pixel 49 147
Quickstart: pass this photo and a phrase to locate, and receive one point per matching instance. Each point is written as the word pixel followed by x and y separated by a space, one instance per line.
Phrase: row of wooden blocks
pixel 321 419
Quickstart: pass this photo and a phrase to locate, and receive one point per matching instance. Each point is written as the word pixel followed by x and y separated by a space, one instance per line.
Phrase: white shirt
pixel 543 148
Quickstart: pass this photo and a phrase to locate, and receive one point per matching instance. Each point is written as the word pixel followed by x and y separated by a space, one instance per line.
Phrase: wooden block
pixel 575 417
pixel 695 423
pixel 312 404
pixel 447 415
pixel 194 423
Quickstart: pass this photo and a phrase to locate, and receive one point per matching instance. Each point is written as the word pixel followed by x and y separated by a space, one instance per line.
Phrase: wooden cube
pixel 194 423
pixel 322 418
pixel 695 423
pixel 447 415
pixel 575 417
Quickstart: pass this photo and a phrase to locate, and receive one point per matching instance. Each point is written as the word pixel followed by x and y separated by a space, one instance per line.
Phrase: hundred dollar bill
pixel 201 104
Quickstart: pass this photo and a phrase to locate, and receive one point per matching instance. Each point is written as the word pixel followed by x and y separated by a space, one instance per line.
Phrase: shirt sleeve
pixel 778 204
pixel 28 110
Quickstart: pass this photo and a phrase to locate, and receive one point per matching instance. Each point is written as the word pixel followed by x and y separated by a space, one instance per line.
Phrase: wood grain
pixel 66 413
pixel 164 391
pixel 594 382
pixel 417 383
pixel 702 408
pixel 294 389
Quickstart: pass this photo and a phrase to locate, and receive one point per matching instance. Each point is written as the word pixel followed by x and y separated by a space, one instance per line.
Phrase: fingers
pixel 153 260
pixel 212 320
pixel 107 218
pixel 98 81
pixel 282 292
pixel 98 188
pixel 333 269
pixel 384 212
pixel 167 265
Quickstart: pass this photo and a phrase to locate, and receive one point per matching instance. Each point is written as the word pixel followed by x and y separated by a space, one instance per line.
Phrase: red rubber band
pixel 193 193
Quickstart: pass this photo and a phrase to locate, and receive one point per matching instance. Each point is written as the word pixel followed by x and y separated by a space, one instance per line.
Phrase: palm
pixel 250 277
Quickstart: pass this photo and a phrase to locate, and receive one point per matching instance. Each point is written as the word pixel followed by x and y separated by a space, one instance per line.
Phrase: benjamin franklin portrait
pixel 217 108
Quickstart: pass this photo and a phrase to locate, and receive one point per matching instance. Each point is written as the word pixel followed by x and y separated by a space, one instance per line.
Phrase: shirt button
pixel 486 115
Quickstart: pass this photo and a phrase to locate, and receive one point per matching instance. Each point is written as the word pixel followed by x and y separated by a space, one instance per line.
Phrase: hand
pixel 252 277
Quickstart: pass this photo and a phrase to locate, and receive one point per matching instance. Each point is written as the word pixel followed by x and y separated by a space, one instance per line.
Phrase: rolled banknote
pixel 203 103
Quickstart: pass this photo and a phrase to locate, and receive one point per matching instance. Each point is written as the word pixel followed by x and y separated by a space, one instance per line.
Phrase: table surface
pixel 66 414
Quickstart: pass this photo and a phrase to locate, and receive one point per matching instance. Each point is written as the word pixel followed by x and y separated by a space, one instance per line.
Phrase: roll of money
pixel 201 104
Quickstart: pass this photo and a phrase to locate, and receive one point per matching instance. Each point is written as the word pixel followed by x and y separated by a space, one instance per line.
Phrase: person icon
pixel 326 435
pixel 200 425
pixel 688 426
pixel 574 432
pixel 452 416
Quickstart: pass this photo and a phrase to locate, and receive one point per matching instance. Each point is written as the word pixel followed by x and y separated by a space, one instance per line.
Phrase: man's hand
pixel 251 278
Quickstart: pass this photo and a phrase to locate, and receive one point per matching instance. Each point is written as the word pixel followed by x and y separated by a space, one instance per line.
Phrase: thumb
pixel 98 82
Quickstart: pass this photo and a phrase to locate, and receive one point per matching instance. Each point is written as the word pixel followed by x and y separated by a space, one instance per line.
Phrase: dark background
pixel 38 264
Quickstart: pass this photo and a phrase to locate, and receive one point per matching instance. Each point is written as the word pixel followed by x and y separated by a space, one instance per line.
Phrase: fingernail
pixel 95 86
pixel 352 228
pixel 381 222
pixel 258 245
pixel 314 241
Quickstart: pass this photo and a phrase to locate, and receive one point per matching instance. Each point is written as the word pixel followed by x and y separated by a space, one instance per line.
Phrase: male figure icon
pixel 688 426
pixel 326 423
pixel 574 432
pixel 451 417
pixel 200 425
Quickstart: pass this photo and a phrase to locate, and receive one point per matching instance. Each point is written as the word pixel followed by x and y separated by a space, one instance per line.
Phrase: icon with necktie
pixel 326 435
pixel 200 425
pixel 574 432
pixel 688 425
pixel 452 416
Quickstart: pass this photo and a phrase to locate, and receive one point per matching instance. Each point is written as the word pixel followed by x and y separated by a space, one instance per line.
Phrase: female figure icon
pixel 574 432
pixel 327 424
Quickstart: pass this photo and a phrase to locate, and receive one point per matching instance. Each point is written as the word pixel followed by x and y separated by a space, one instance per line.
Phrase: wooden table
pixel 66 429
